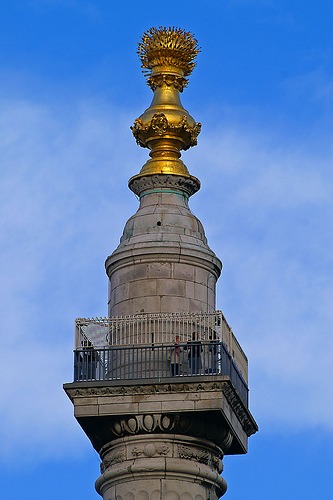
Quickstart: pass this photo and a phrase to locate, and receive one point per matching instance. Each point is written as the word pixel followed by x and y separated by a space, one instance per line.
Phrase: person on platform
pixel 194 350
pixel 174 360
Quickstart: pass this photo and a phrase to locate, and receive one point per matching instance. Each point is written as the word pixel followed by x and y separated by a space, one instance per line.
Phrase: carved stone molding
pixel 113 453
pixel 210 423
pixel 193 463
pixel 201 456
pixel 151 450
pixel 104 389
pixel 111 428
pixel 189 185
pixel 116 457
pixel 225 386
pixel 248 424
pixel 141 424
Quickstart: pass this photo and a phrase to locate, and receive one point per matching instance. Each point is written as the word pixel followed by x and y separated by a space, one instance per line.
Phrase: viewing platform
pixel 157 347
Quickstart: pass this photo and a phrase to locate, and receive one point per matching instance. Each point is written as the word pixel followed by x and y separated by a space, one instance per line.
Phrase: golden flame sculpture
pixel 167 57
pixel 168 47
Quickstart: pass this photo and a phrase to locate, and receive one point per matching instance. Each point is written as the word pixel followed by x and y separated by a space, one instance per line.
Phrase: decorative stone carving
pixel 189 185
pixel 197 455
pixel 117 457
pixel 240 410
pixel 139 424
pixel 151 450
pixel 161 466
pixel 168 422
pixel 201 456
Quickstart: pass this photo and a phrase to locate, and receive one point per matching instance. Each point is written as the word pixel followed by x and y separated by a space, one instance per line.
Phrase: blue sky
pixel 70 87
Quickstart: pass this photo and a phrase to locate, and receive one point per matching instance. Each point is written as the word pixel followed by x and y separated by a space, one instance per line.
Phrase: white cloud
pixel 285 186
pixel 59 215
pixel 33 408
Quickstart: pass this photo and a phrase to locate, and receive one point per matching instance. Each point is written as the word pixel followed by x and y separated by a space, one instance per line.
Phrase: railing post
pixel 77 342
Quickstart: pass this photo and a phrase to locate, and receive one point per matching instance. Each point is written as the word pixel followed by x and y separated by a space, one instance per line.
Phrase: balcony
pixel 155 347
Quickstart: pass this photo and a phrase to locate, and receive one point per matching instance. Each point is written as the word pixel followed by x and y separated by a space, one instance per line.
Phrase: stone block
pixel 118 409
pixel 111 296
pixel 85 410
pixel 159 270
pixel 174 304
pixel 148 201
pixel 207 404
pixel 176 288
pixel 151 406
pixel 192 396
pixel 86 401
pixel 189 289
pixel 121 309
pixel 201 292
pixel 137 305
pixel 183 271
pixel 121 293
pixel 154 304
pixel 201 276
pixel 211 299
pixel 197 305
pixel 211 282
pixel 215 395
pixel 173 396
pixel 114 400
pixel 178 405
pixel 142 288
pixel 132 273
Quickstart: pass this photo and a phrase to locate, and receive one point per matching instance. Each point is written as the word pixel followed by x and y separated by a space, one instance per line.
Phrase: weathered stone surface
pixel 212 400
pixel 175 304
pixel 163 253
pixel 161 467
pixel 183 271
pixel 159 270
pixel 172 287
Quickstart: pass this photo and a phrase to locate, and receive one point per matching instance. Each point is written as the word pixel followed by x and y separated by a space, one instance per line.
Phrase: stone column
pixel 160 466
pixel 163 263
pixel 162 441
pixel 163 437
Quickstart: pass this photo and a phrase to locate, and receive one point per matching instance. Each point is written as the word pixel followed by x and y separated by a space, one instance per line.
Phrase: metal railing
pixel 159 329
pixel 157 362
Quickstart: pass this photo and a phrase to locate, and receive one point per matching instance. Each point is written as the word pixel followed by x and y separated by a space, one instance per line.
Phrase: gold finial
pixel 167 56
pixel 168 47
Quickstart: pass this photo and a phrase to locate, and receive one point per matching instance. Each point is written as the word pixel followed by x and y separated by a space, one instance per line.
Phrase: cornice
pixel 143 184
pixel 239 409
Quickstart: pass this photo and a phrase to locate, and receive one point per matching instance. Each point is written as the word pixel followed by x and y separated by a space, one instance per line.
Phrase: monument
pixel 161 386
